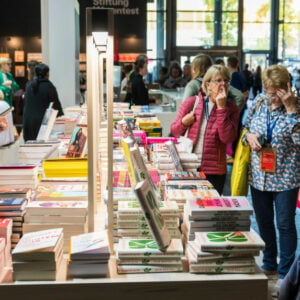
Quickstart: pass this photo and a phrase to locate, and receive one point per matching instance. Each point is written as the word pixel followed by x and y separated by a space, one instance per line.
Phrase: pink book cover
pixel 222 203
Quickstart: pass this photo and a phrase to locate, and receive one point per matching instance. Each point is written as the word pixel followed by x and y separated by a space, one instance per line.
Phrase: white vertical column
pixel 60 42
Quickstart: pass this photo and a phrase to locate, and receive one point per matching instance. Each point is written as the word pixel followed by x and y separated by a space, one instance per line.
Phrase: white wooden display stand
pixel 170 286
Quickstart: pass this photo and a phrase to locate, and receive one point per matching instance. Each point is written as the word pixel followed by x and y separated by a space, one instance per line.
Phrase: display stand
pixel 175 286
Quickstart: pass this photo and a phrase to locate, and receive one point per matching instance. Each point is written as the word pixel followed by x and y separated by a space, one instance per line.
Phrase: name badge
pixel 268 160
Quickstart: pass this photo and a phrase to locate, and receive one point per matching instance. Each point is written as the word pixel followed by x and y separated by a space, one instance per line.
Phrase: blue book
pixel 12 203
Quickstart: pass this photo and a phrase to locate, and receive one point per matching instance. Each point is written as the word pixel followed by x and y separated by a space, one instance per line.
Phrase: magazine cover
pixel 78 142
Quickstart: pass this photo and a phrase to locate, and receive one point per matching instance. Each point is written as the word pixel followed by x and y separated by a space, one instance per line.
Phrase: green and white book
pixel 147 248
pixel 127 269
pixel 229 241
pixel 201 255
pixel 222 270
pixel 150 261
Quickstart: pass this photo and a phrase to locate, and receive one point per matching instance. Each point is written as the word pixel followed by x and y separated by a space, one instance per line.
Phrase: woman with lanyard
pixel 274 177
pixel 212 124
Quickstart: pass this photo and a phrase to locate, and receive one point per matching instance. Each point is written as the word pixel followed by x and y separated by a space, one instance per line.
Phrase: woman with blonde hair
pixel 200 65
pixel 274 137
pixel 212 125
pixel 7 82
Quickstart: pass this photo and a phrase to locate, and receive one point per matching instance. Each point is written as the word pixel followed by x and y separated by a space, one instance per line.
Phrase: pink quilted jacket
pixel 221 129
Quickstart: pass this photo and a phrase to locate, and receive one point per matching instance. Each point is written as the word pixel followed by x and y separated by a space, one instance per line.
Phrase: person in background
pixel 31 69
pixel 220 61
pixel 257 82
pixel 187 73
pixel 237 79
pixel 248 77
pixel 8 84
pixel 212 125
pixel 297 83
pixel 139 90
pixel 127 70
pixel 163 75
pixel 200 65
pixel 274 175
pixel 39 93
pixel 174 79
pixel 3 119
pixel 133 73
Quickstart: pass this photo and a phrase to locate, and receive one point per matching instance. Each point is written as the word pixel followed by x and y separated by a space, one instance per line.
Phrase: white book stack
pixel 69 215
pixel 38 256
pixel 180 196
pixel 131 222
pixel 143 256
pixel 224 252
pixel 19 176
pixel 89 255
pixel 35 153
pixel 216 214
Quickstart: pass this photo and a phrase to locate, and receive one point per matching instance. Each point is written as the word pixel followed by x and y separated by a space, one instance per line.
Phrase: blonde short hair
pixel 212 72
pixel 200 65
pixel 4 60
pixel 276 76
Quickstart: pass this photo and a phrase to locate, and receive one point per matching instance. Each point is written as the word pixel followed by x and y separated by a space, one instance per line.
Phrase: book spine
pixel 174 155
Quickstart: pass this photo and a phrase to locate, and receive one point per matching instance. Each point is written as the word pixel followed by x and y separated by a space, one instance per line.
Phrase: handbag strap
pixel 193 110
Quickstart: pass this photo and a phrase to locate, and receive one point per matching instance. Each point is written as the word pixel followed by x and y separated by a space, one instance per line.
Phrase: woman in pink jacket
pixel 212 125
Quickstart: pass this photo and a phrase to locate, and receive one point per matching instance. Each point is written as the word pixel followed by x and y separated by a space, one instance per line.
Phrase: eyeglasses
pixel 219 81
pixel 9 64
pixel 269 95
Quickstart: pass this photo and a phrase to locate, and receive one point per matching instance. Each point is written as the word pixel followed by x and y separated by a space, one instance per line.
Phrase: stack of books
pixel 224 252
pixel 89 255
pixel 164 163
pixel 62 192
pixel 181 196
pixel 65 167
pixel 13 209
pixel 216 214
pixel 19 176
pixel 38 256
pixel 35 153
pixel 69 215
pixel 151 125
pixel 143 256
pixel 131 221
pixel 6 233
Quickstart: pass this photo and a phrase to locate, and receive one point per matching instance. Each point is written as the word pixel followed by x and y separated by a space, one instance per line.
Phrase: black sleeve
pixel 53 97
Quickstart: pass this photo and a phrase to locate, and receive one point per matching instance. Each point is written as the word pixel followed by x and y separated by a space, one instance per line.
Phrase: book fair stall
pixel 133 218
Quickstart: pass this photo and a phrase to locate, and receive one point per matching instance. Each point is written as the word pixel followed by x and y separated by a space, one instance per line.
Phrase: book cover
pixel 45 241
pixel 47 124
pixel 185 175
pixel 149 261
pixel 222 269
pixel 89 245
pixel 198 205
pixel 127 143
pixel 185 195
pixel 78 142
pixel 188 185
pixel 147 247
pixel 171 149
pixel 229 241
pixel 150 208
pixel 76 208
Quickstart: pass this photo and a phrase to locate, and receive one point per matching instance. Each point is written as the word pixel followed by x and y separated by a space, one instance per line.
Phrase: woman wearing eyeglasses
pixel 274 177
pixel 212 125
pixel 7 82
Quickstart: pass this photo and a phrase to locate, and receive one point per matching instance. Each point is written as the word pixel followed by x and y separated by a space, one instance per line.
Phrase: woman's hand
pixel 288 99
pixel 221 97
pixel 252 139
pixel 7 83
pixel 188 119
